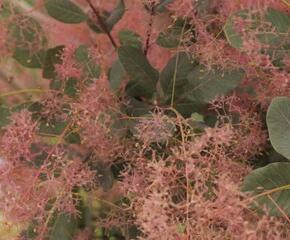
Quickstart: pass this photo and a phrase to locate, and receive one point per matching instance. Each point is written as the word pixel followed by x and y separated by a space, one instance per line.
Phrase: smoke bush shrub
pixel 148 119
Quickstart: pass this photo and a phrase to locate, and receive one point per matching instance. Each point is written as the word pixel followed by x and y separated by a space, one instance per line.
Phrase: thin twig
pixel 149 31
pixel 286 2
pixel 279 208
pixel 102 24
pixel 176 64
pixel 22 91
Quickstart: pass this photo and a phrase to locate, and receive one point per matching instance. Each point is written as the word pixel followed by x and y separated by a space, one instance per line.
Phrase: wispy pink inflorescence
pixel 249 136
pixel 53 103
pixel 69 67
pixel 227 7
pixel 94 117
pixel 156 222
pixel 74 173
pixel 21 197
pixel 181 180
pixel 18 137
pixel 184 8
pixel 155 128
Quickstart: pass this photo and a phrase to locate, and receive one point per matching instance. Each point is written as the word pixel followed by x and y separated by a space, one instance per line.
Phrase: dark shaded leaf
pixel 53 56
pixel 174 75
pixel 171 37
pixel 63 228
pixel 52 128
pixel 73 138
pixel 135 108
pixel 71 87
pixel 143 76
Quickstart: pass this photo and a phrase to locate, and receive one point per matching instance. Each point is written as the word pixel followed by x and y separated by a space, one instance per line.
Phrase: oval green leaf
pixel 65 11
pixel 278 122
pixel 204 85
pixel 143 76
pixel 270 187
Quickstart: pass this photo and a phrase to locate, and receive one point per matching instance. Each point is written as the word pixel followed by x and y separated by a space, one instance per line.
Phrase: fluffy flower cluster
pixel 176 178
pixel 28 186
pixel 193 192
pixel 69 67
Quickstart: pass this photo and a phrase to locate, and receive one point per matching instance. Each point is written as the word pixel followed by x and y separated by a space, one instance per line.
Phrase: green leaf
pixel 53 56
pixel 161 7
pixel 5 10
pixel 116 75
pixel 203 7
pixel 4 116
pixel 110 19
pixel 104 175
pixel 174 75
pixel 280 20
pixel 94 23
pixel 71 87
pixel 187 106
pixel 200 87
pixel 276 39
pixel 196 117
pixel 130 38
pixel 197 122
pixel 278 122
pixel 82 54
pixel 143 76
pixel 274 181
pixel 65 11
pixel 116 15
pixel 181 228
pixel 234 38
pixel 205 85
pixel 56 84
pixel 91 69
pixel 53 128
pixel 135 108
pixel 26 31
pixel 64 228
pixel 171 37
pixel 73 138
pixel 28 59
pixel 29 40
pixel 51 140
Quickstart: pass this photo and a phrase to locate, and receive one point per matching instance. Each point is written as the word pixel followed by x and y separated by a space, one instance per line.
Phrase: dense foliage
pixel 145 119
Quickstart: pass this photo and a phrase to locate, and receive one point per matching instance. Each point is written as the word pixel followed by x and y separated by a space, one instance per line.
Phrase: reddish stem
pixel 101 22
